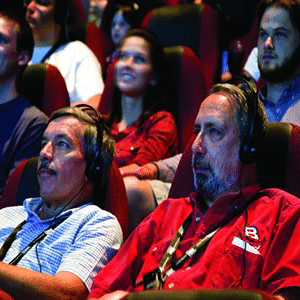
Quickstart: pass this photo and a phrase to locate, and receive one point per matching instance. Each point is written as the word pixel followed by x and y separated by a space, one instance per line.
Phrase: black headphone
pixel 94 168
pixel 248 150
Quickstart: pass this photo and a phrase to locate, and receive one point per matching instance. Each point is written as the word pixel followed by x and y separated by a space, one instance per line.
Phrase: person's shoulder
pixel 275 195
pixel 169 203
pixel 162 115
pixel 78 46
pixel 31 112
pixel 94 212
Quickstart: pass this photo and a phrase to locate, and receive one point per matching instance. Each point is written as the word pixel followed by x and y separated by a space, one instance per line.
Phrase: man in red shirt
pixel 248 236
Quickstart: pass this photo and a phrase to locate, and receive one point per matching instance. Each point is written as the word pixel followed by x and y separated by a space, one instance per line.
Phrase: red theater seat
pixel 191 25
pixel 44 86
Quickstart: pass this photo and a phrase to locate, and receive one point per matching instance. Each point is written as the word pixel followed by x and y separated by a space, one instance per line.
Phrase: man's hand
pixel 129 170
pixel 117 295
pixel 148 171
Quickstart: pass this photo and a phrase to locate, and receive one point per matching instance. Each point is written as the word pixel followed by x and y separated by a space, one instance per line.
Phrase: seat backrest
pixel 193 25
pixel 278 165
pixel 23 183
pixel 225 294
pixel 99 43
pixel 44 86
pixel 185 89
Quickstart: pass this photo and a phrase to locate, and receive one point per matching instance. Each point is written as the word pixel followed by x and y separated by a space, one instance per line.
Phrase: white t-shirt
pixel 79 67
pixel 251 65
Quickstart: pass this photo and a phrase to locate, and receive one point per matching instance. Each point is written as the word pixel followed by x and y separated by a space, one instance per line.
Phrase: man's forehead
pixel 68 125
pixel 216 105
pixel 276 17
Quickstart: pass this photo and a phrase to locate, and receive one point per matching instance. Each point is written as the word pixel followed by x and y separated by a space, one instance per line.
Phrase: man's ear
pixel 153 80
pixel 23 58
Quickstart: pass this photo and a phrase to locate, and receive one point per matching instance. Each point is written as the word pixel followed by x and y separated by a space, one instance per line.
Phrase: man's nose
pixel 46 152
pixel 198 143
pixel 269 43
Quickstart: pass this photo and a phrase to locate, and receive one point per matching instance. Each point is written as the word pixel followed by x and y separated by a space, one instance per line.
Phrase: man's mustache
pixel 201 161
pixel 44 166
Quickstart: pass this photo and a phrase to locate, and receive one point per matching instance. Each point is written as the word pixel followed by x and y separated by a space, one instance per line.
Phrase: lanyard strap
pixel 189 253
pixel 10 239
pixel 174 244
pixel 7 244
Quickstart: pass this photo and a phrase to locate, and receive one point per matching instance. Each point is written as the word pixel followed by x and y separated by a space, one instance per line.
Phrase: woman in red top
pixel 143 130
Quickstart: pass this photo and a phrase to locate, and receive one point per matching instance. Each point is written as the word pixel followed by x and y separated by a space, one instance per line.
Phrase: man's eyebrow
pixel 4 36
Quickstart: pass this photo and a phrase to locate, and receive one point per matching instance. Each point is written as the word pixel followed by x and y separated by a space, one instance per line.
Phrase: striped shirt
pixel 82 244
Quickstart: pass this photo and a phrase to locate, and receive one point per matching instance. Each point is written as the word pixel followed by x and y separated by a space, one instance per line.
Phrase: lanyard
pixel 8 242
pixel 156 278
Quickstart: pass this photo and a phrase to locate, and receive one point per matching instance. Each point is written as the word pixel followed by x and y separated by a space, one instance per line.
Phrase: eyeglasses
pixel 38 2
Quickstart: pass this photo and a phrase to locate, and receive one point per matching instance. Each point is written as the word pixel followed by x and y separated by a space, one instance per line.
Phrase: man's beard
pixel 209 184
pixel 284 71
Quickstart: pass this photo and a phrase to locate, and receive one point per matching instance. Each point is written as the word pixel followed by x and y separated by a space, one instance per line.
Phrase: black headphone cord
pixel 53 221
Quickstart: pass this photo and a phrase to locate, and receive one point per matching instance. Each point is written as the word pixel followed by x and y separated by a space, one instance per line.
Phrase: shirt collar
pixel 226 207
pixel 288 94
pixel 34 206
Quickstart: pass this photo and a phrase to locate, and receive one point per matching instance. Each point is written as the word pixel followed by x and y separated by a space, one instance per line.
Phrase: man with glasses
pixel 76 62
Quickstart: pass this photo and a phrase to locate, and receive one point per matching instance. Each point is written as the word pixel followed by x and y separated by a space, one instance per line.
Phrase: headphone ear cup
pixel 94 170
pixel 248 154
pixel 95 164
pixel 248 150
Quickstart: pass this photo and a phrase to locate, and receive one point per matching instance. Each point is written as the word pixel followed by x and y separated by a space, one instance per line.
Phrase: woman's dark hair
pixel 155 98
pixel 131 15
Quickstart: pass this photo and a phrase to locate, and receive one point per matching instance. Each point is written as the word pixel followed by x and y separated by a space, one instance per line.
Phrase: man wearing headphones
pixel 230 234
pixel 76 62
pixel 53 246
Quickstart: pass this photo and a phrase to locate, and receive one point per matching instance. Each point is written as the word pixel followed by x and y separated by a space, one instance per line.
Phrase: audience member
pixel 279 59
pixel 96 10
pixel 243 226
pixel 21 123
pixel 63 239
pixel 117 21
pixel 142 129
pixel 76 62
pixel 148 186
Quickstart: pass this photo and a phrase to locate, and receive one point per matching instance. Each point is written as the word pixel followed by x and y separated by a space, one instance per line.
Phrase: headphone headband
pixel 95 168
pixel 248 150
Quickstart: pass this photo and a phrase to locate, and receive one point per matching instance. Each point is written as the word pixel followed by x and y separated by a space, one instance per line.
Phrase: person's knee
pixel 139 192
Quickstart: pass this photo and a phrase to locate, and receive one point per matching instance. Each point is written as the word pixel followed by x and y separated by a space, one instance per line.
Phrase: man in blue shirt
pixel 279 59
pixel 21 123
pixel 53 245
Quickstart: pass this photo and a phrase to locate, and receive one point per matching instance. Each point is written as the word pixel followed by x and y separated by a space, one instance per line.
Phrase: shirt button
pixel 198 219
pixel 154 249
pixel 131 148
pixel 188 268
pixel 171 285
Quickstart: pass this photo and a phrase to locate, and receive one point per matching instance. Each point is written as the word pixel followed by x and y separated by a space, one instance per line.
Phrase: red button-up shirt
pixel 152 140
pixel 269 228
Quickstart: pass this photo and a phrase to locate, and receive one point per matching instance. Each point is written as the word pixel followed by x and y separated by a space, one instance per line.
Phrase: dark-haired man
pixel 21 124
pixel 61 239
pixel 76 62
pixel 279 59
pixel 241 227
